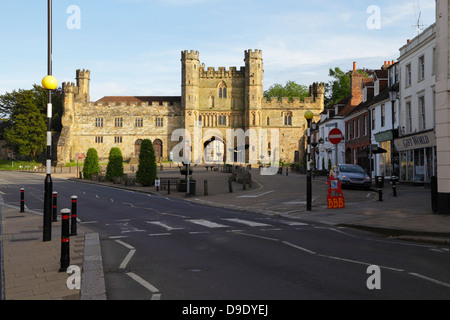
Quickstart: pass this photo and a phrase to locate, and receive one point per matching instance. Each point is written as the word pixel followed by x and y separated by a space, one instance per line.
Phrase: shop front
pixel 388 160
pixel 418 159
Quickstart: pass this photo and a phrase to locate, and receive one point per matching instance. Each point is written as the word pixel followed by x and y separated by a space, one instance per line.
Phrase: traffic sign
pixel 335 136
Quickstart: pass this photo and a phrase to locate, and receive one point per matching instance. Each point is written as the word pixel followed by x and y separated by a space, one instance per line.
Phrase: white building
pixel 330 154
pixel 416 143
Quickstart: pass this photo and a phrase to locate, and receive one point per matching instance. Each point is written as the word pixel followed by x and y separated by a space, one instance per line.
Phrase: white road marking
pixel 145 284
pixel 255 195
pixel 159 234
pixel 164 225
pixel 127 259
pixel 430 279
pixel 249 223
pixel 208 224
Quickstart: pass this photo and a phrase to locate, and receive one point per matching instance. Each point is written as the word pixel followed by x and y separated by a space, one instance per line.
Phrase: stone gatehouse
pixel 218 99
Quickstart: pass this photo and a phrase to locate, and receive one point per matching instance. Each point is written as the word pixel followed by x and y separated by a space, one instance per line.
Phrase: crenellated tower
pixel 190 79
pixel 83 79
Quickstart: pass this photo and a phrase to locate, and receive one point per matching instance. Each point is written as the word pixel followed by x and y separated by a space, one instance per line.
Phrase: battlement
pixel 190 55
pixel 253 54
pixel 137 102
pixel 83 74
pixel 69 87
pixel 222 72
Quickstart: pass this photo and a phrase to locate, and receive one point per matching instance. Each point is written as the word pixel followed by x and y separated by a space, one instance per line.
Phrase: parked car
pixel 351 175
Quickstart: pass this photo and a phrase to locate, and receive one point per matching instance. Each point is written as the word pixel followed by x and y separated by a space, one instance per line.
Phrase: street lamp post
pixel 309 116
pixel 393 96
pixel 49 83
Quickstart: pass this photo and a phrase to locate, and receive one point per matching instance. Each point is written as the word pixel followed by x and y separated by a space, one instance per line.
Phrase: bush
pixel 91 164
pixel 115 164
pixel 146 173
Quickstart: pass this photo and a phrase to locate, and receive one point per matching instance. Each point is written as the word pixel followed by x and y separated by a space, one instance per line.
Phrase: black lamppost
pixel 49 83
pixel 393 96
pixel 309 116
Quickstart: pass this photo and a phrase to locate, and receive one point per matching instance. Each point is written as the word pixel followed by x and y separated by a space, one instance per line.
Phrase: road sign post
pixel 335 137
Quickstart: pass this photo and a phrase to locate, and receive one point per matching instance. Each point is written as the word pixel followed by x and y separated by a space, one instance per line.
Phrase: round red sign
pixel 335 136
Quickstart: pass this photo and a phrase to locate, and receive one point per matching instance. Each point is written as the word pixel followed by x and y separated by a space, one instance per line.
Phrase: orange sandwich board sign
pixel 335 196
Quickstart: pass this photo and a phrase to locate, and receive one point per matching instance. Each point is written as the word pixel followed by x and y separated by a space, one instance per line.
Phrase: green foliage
pixel 340 87
pixel 146 173
pixel 91 164
pixel 289 90
pixel 115 164
pixel 26 111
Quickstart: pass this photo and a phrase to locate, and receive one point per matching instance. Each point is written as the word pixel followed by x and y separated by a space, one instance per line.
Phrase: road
pixel 160 248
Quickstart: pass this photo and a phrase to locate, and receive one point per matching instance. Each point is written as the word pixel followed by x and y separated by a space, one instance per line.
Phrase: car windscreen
pixel 352 169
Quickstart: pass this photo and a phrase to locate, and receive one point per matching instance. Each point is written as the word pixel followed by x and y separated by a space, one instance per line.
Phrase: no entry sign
pixel 335 136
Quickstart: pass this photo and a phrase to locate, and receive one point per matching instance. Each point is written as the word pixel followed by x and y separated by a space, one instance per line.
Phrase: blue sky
pixel 133 47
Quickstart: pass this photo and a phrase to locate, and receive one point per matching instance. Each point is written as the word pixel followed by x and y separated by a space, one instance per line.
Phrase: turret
pixel 83 79
pixel 190 80
pixel 254 74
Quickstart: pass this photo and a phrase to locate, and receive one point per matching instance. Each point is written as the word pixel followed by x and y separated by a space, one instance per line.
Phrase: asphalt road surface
pixel 158 248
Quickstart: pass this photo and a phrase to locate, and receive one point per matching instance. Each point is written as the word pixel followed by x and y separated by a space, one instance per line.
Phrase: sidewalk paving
pixel 31 266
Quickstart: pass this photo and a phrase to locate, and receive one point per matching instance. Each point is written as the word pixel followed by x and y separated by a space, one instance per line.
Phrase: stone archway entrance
pixel 158 147
pixel 137 148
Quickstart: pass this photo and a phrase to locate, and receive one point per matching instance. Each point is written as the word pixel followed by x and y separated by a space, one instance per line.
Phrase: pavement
pixel 31 266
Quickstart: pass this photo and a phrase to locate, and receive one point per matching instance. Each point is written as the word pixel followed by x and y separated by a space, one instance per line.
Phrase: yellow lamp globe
pixel 309 115
pixel 49 83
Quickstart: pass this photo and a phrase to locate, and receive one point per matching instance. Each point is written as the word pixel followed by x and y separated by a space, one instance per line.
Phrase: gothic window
pixel 117 139
pixel 222 90
pixel 99 139
pixel 222 120
pixel 211 102
pixel 268 121
pixel 288 119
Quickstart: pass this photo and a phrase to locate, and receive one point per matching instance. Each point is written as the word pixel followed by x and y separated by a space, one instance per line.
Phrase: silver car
pixel 351 175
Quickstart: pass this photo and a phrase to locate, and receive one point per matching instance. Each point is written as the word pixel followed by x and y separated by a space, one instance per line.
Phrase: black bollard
pixel 168 186
pixel 73 230
pixel 394 190
pixel 22 200
pixel 230 186
pixel 65 240
pixel 54 215
pixel 205 183
pixel 380 195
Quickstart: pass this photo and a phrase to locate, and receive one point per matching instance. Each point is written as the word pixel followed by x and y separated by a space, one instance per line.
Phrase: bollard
pixel 230 186
pixel 73 227
pixel 380 195
pixel 205 183
pixel 54 215
pixel 22 200
pixel 394 190
pixel 65 240
pixel 168 186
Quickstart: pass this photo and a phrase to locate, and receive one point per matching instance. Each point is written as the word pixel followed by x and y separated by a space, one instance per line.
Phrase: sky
pixel 133 47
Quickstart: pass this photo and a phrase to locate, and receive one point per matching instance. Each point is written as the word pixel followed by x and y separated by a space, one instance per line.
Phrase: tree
pixel 340 87
pixel 91 164
pixel 146 173
pixel 289 90
pixel 26 128
pixel 115 164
